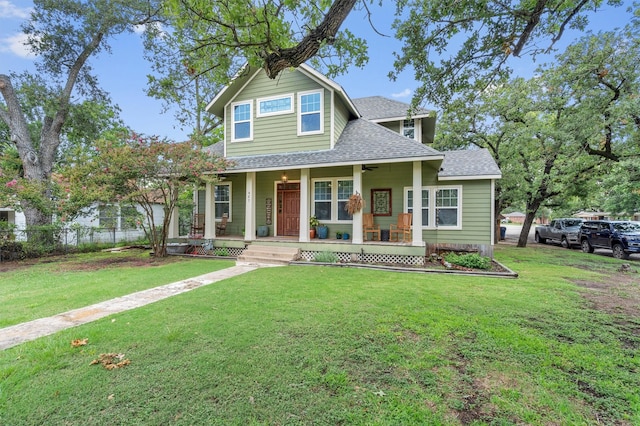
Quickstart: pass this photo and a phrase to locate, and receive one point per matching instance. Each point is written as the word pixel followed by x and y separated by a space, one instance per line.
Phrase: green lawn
pixel 56 285
pixel 320 345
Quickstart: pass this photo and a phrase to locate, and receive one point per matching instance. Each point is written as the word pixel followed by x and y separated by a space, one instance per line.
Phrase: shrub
pixel 222 252
pixel 469 260
pixel 326 257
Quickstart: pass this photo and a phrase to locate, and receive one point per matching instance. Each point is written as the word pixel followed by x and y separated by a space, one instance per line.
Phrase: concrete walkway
pixel 20 333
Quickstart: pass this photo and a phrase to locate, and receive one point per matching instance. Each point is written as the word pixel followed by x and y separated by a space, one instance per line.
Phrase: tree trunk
pixel 526 226
pixel 38 159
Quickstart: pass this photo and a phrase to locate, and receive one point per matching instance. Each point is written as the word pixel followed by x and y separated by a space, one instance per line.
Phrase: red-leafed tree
pixel 143 171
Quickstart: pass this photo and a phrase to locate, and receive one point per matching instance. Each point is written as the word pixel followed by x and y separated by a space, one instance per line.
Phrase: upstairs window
pixel 409 128
pixel 275 106
pixel 242 126
pixel 310 113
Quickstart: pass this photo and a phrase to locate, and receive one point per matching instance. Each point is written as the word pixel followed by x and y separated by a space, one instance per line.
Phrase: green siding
pixel 238 190
pixel 341 118
pixel 392 125
pixel 476 200
pixel 476 216
pixel 278 133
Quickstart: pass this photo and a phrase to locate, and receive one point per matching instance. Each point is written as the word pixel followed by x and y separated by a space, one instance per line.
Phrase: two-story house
pixel 300 147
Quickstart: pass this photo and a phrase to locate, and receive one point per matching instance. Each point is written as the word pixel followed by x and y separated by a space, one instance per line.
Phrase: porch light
pixel 284 177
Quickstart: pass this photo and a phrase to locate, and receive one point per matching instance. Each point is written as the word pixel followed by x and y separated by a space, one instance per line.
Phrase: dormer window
pixel 275 105
pixel 242 128
pixel 310 113
pixel 409 128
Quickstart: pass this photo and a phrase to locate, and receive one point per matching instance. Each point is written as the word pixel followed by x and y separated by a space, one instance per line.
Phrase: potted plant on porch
pixel 313 222
pixel 323 231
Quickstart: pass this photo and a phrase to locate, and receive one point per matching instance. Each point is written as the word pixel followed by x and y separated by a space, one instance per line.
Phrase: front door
pixel 289 209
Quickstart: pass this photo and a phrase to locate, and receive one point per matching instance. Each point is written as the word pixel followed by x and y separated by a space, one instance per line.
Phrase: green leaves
pixel 143 171
pixel 488 35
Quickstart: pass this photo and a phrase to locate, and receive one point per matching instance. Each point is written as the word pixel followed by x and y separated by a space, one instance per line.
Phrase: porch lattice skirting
pixel 310 255
pixel 373 258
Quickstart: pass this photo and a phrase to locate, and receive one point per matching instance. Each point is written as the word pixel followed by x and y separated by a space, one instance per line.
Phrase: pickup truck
pixel 621 237
pixel 563 231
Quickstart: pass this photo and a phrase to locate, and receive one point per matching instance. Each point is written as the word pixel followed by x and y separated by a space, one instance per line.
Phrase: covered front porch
pixel 279 204
pixel 377 252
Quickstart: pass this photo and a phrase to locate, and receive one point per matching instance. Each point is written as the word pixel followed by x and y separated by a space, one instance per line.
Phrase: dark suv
pixel 622 237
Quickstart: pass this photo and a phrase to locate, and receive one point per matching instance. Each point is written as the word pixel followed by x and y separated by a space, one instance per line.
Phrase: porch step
pixel 268 255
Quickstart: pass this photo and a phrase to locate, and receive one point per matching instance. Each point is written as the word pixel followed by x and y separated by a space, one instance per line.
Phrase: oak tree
pixel 64 35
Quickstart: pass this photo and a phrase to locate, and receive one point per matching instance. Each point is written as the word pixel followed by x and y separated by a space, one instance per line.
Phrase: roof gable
pixel 229 92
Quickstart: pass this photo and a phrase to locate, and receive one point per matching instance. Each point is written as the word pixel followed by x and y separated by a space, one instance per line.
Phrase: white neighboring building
pixel 100 223
pixel 11 216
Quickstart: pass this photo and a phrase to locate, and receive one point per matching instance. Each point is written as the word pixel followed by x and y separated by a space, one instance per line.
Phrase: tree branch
pixel 311 43
pixel 534 19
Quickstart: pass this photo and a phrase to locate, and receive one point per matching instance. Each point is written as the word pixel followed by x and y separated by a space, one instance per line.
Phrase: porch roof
pixel 469 164
pixel 361 142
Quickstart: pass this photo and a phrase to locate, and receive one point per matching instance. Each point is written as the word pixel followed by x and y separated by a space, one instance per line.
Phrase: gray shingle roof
pixel 361 142
pixel 380 108
pixel 468 163
pixel 365 142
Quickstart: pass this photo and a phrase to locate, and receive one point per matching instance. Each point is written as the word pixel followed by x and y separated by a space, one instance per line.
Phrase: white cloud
pixel 10 10
pixel 404 94
pixel 17 45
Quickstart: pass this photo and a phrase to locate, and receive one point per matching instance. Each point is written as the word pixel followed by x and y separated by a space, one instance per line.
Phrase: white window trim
pixel 259 113
pixel 334 198
pixel 432 205
pixel 321 112
pixel 403 128
pixel 233 121
pixel 230 202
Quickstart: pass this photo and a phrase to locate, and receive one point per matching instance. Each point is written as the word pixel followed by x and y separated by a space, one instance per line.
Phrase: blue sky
pixel 123 73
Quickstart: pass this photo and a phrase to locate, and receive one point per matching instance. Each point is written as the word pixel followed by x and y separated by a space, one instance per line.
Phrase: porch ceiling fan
pixel 366 168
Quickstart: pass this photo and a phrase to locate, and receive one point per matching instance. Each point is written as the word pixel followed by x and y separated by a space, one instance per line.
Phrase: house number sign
pixel 269 210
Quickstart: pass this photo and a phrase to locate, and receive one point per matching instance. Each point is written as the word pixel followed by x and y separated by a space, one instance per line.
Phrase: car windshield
pixel 572 222
pixel 627 226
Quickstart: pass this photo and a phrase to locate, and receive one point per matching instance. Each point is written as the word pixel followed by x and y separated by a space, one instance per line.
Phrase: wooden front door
pixel 289 209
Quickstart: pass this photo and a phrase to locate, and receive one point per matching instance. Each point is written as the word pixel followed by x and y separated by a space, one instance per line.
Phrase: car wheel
pixel 618 251
pixel 586 247
pixel 539 239
pixel 564 243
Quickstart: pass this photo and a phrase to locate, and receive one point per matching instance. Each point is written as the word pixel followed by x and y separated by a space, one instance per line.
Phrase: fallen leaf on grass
pixel 111 361
pixel 79 342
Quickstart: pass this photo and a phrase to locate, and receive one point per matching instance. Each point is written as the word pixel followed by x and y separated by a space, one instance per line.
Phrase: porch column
pixel 417 205
pixel 209 212
pixel 174 221
pixel 303 236
pixel 250 208
pixel 356 231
